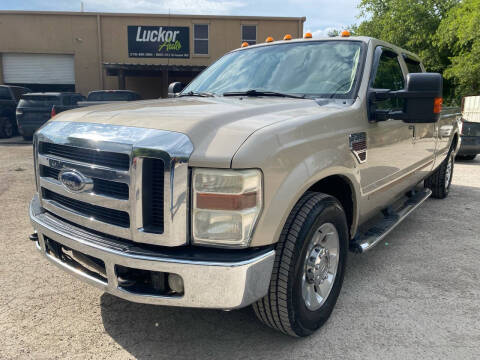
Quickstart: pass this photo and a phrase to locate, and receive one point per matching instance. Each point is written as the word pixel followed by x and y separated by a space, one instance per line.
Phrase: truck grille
pixel 101 187
pixel 127 182
pixel 109 216
pixel 90 156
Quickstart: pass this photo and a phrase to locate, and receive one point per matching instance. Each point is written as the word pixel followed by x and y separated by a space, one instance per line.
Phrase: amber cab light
pixel 269 39
pixel 437 105
pixel 245 44
pixel 287 37
pixel 345 33
pixel 308 35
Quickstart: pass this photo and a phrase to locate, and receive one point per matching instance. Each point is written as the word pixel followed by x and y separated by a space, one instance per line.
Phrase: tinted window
pixel 249 34
pixel 389 75
pixel 5 94
pixel 39 101
pixel 200 39
pixel 413 66
pixel 109 96
pixel 317 69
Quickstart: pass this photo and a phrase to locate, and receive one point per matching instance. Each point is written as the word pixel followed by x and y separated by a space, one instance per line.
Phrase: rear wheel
pixel 439 182
pixel 7 127
pixel 309 267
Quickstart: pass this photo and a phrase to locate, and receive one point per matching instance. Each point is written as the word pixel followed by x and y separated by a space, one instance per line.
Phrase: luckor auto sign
pixel 158 41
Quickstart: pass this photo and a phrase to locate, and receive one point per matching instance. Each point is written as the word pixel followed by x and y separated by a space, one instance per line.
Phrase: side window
pixel 389 75
pixel 249 34
pixel 76 99
pixel 200 39
pixel 413 66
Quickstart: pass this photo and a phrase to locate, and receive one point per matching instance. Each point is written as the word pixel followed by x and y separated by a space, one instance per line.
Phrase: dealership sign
pixel 158 41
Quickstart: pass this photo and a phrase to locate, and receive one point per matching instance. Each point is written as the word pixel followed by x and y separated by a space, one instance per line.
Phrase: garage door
pixel 38 69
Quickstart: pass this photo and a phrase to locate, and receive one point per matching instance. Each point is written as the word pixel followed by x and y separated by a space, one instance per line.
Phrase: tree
pixel 333 33
pixel 458 33
pixel 410 24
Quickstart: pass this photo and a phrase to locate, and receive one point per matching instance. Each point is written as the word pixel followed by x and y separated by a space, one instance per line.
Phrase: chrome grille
pixel 90 156
pixel 137 180
pixel 101 187
pixel 109 216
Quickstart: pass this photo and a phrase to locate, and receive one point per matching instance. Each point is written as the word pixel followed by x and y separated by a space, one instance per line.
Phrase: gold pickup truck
pixel 252 184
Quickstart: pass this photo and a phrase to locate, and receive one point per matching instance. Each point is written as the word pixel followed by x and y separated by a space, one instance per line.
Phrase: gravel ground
pixel 415 296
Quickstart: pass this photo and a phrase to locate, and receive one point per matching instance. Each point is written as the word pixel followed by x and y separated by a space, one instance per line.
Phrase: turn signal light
pixel 437 105
pixel 245 44
pixel 287 37
pixel 308 35
pixel 269 39
pixel 345 33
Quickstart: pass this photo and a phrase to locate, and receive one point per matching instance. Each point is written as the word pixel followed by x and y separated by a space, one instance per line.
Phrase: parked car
pixel 99 97
pixel 35 109
pixel 253 184
pixel 470 129
pixel 9 97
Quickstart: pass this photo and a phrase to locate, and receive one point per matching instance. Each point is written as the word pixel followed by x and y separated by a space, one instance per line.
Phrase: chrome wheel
pixel 321 265
pixel 448 172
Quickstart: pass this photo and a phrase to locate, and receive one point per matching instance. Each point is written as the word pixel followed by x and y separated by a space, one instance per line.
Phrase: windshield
pixel 38 101
pixel 109 96
pixel 313 69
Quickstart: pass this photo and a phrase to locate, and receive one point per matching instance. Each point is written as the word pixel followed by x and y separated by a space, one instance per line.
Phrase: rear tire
pixel 439 182
pixel 309 267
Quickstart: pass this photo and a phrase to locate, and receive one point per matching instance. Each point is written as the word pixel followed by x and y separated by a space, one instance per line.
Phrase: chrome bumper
pixel 216 285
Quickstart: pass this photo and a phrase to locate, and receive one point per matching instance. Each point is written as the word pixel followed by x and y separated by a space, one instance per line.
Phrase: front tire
pixel 439 182
pixel 7 128
pixel 309 267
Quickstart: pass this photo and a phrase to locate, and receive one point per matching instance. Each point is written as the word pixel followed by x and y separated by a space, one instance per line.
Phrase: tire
pixel 439 182
pixel 466 157
pixel 7 128
pixel 285 307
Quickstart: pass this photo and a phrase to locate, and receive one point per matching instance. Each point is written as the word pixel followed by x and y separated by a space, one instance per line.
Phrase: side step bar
pixel 366 241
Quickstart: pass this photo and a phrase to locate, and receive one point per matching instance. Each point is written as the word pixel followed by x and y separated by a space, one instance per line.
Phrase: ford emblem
pixel 74 181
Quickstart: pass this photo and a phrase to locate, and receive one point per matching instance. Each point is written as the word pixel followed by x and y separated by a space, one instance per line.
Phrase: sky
pixel 322 15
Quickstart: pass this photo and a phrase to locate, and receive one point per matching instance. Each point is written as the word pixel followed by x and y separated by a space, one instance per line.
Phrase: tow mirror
pixel 422 100
pixel 175 88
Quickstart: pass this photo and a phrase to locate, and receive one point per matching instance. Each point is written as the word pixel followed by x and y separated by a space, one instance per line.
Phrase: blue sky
pixel 322 15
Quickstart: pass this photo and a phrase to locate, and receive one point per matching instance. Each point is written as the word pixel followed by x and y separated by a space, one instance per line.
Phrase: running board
pixel 366 241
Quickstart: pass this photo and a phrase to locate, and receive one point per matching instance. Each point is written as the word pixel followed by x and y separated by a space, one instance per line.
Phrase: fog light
pixel 175 282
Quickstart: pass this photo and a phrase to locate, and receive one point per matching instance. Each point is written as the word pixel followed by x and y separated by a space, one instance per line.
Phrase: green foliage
pixel 333 33
pixel 458 33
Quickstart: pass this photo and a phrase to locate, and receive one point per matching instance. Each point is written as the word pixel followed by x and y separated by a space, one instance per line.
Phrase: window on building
pixel 200 39
pixel 249 34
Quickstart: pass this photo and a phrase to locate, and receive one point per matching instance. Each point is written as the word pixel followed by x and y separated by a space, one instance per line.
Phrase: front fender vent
pixel 358 146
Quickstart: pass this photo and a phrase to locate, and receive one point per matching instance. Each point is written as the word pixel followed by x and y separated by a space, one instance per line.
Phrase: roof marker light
pixel 345 33
pixel 245 44
pixel 269 39
pixel 287 37
pixel 308 35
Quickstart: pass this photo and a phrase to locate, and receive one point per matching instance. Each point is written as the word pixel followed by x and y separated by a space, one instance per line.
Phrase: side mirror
pixel 174 88
pixel 422 100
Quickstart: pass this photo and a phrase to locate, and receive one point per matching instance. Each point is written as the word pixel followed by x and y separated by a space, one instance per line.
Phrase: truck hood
pixel 216 126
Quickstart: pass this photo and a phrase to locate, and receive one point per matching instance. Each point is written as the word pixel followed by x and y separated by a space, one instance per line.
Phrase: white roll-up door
pixel 38 69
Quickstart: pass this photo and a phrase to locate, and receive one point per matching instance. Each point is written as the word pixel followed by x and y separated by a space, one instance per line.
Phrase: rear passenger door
pixel 390 155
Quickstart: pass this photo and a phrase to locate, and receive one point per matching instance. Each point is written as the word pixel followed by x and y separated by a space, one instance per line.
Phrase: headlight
pixel 226 206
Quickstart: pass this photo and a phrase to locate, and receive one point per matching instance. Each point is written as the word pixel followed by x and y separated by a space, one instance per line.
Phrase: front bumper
pixel 207 284
pixel 470 145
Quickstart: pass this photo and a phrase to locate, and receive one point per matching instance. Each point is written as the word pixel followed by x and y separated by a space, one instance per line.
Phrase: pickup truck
pixel 252 185
pixel 9 98
pixel 35 109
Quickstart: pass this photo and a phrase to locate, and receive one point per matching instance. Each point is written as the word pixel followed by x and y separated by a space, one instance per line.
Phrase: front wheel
pixel 309 267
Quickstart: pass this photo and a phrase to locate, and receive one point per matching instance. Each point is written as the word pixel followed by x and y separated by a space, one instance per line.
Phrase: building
pixel 66 51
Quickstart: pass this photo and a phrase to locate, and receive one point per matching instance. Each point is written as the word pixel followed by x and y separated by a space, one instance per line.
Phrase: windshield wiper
pixel 254 92
pixel 194 93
